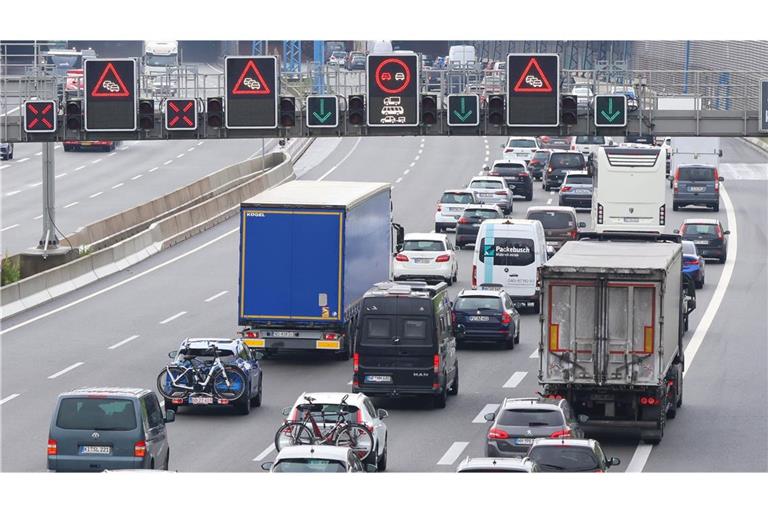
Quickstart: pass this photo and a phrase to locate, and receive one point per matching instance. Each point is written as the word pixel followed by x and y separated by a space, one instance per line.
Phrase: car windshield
pixel 578 180
pixel 475 303
pixel 451 198
pixel 530 418
pixel 554 219
pixel 564 458
pixel 521 143
pixel 423 245
pixel 508 169
pixel 570 160
pixel 309 466
pixel 486 184
pixel 96 414
pixel 481 214
pixel 696 173
pixel 590 139
pixel 700 229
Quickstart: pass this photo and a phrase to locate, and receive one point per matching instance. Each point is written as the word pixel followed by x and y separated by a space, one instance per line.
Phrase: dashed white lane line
pixel 551 192
pixel 487 152
pixel 97 194
pixel 515 379
pixel 174 317
pixel 97 160
pixel 191 149
pixel 33 185
pixel 13 193
pixel 37 218
pixel 9 398
pixel 200 143
pixel 398 180
pixel 57 146
pixel 117 186
pixel 349 383
pixel 321 178
pixel 534 355
pixel 549 201
pixel 61 175
pixel 80 168
pixel 38 153
pixel 453 453
pixel 413 163
pixel 405 172
pixel 137 177
pixel 421 151
pixel 22 160
pixel 65 370
pixel 488 408
pixel 111 154
pixel 214 297
pixel 486 159
pixel 168 162
pixel 4 166
pixel 11 227
pixel 153 169
pixel 180 155
pixel 121 343
pixel 639 458
pixel 416 158
pixel 269 449
pixel 123 148
pixel 72 204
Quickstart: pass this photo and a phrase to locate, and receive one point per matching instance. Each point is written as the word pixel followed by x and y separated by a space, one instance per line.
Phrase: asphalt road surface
pixel 720 428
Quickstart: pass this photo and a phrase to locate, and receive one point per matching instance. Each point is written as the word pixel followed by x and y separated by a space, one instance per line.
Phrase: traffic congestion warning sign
pixel 40 116
pixel 111 102
pixel 251 86
pixel 533 84
pixel 393 90
pixel 181 114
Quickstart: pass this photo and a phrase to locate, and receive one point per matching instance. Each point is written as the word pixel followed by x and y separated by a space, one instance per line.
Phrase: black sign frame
pixel 522 95
pixel 106 103
pixel 231 108
pixel 407 96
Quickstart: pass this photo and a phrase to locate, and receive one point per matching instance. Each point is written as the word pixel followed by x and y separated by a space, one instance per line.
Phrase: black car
pixel 538 163
pixel 405 344
pixel 486 315
pixel 708 235
pixel 469 223
pixel 518 178
pixel 560 163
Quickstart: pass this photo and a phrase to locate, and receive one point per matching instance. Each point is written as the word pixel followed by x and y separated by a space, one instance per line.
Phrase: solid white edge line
pixel 38 217
pixel 121 343
pixel 349 383
pixel 174 317
pixel 643 451
pixel 22 160
pixel 486 409
pixel 97 160
pixel 81 167
pixel 13 193
pixel 453 453
pixel 168 162
pixel 269 449
pixel 65 370
pixel 214 297
pixel 9 398
pixel 357 142
pixel 515 380
pixel 119 284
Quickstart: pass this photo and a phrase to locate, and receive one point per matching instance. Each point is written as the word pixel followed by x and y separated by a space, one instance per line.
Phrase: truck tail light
pixel 355 362
pixel 663 214
pixel 560 434
pixel 53 448
pixel 496 433
pixel 506 318
pixel 331 336
pixel 401 257
pixel 436 363
pixel 140 449
pixel 251 334
pixel 474 276
pixel 566 189
pixel 443 258
pixel 649 400
pixel 599 213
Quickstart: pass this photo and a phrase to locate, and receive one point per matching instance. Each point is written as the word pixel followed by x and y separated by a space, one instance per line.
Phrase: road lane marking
pixel 121 283
pixel 97 160
pixel 488 408
pixel 80 168
pixel 549 201
pixel 643 451
pixel 118 185
pixel 65 370
pixel 413 163
pixel 398 180
pixel 112 154
pixel 137 177
pixel 168 162
pixel 357 142
pixel 214 297
pixel 349 383
pixel 11 227
pixel 180 155
pixel 486 159
pixel 421 151
pixel 200 143
pixel 551 192
pixel 38 217
pixel 121 343
pixel 22 160
pixel 61 175
pixel 515 379
pixel 72 204
pixel 97 194
pixel 269 449
pixel 33 185
pixel 174 317
pixel 453 453
pixel 10 111
pixel 405 172
pixel 535 354
pixel 13 193
pixel 191 149
pixel 57 146
pixel 4 166
pixel 153 169
pixel 9 398
pixel 417 158
pixel 38 153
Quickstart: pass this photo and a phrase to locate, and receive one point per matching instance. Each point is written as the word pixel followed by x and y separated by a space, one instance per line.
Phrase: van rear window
pixel 696 173
pixel 96 414
pixel 554 220
pixel 396 331
pixel 508 252
pixel 570 160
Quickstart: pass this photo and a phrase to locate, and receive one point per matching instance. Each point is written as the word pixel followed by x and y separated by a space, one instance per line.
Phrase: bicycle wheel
pixel 229 383
pixel 166 386
pixel 356 437
pixel 292 434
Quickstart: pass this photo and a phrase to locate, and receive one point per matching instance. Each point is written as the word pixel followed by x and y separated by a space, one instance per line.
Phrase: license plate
pixel 96 450
pixel 524 441
pixel 486 195
pixel 598 396
pixel 421 260
pixel 285 334
pixel 201 400
pixel 582 191
pixel 479 318
pixel 631 219
pixel 701 242
pixel 697 189
pixel 378 379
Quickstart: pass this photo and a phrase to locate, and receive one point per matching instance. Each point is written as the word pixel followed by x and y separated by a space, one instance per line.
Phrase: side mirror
pixel 173 353
pixel 727 232
pixel 286 411
pixel 170 416
pixel 490 416
pixel 267 466
pixel 583 418
pixel 614 461
pixel 582 224
pixel 382 413
pixel 370 468
pixel 720 178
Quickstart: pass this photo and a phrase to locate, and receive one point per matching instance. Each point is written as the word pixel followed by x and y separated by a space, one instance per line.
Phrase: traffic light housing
pixel 429 108
pixel 73 112
pixel 146 114
pixel 496 109
pixel 569 109
pixel 356 109
pixel 214 112
pixel 287 111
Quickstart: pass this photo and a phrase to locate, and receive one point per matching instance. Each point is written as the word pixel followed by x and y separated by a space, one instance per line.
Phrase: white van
pixel 463 56
pixel 509 252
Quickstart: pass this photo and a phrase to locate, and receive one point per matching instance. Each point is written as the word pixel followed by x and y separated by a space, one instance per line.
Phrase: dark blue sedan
pixel 693 264
pixel 486 315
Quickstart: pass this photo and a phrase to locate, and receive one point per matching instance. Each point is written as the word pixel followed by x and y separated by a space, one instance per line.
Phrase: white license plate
pixel 201 400
pixel 96 450
pixel 697 189
pixel 479 318
pixel 701 242
pixel 524 440
pixel 421 260
pixel 486 195
pixel 285 334
pixel 582 192
pixel 378 379
pixel 631 219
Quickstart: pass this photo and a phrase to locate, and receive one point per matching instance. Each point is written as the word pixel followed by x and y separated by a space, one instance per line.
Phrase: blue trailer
pixel 309 250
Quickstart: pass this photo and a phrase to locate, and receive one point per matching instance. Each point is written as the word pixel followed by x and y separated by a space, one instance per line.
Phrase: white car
pixel 497 465
pixel 427 256
pixel 313 458
pixel 521 148
pixel 584 98
pixel 450 207
pixel 360 410
pixel 492 190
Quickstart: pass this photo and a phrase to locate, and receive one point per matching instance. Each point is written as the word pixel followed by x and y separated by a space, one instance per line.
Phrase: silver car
pixel 497 465
pixel 492 190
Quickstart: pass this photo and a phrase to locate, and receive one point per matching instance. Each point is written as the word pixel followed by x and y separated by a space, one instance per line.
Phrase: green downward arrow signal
pixel 610 115
pixel 323 115
pixel 464 114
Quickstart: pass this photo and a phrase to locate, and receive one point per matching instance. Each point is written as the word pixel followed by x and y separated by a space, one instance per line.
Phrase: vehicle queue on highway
pixel 391 342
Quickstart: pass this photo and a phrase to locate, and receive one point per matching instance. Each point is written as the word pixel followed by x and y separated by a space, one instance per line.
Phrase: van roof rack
pixel 407 287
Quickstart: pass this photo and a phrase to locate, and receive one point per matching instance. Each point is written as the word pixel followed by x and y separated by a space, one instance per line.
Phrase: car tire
pixel 167 459
pixel 455 277
pixel 381 464
pixel 675 206
pixel 529 195
pixel 716 207
pixel 440 400
pixel 517 336
pixel 509 343
pixel 243 404
pixel 454 389
pixel 256 400
pixel 536 308
pixel 722 258
pixel 699 284
pixel 438 228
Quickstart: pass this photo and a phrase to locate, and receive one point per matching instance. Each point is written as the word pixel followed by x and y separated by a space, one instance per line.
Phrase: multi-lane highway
pixel 118 331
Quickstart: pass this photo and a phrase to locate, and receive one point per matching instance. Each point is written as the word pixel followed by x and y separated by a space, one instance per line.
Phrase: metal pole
pixel 48 237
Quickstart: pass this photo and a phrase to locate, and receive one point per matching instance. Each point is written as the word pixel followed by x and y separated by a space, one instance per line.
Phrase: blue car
pixel 486 315
pixel 212 371
pixel 693 264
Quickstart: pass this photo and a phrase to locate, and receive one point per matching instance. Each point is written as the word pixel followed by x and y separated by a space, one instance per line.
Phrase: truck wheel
pixel 345 354
pixel 382 462
pixel 672 398
pixel 679 393
pixel 454 389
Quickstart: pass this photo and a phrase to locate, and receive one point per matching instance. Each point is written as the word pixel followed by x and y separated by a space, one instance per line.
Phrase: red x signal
pixel 181 115
pixel 40 116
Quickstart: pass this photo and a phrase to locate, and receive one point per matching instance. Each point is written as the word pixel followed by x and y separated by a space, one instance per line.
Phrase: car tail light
pixel 599 213
pixel 555 397
pixel 436 363
pixel 360 421
pixel 549 170
pixel 401 257
pixel 474 276
pixel 140 449
pixel 534 161
pixel 463 220
pixel 355 362
pixel 53 448
pixel 177 401
pixel 496 433
pixel 223 401
pixel 502 193
pixel 693 261
pixel 443 258
pixel 506 318
pixel 566 189
pixel 677 179
pixel 573 233
pixel 717 180
pixel 662 214
pixel 566 432
pixel 718 231
pixel 453 317
pixel 331 336
pixel 439 208
pixel 493 173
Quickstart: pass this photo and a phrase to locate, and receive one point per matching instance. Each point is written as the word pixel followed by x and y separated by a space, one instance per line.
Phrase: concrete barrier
pixel 762 144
